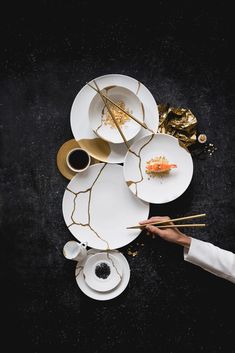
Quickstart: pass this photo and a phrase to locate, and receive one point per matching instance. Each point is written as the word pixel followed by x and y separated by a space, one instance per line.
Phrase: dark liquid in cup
pixel 78 159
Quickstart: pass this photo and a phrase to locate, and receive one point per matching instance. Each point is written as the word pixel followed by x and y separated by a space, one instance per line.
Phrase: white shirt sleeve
pixel 211 258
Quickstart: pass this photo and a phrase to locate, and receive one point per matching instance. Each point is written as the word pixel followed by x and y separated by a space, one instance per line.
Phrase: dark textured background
pixel 48 52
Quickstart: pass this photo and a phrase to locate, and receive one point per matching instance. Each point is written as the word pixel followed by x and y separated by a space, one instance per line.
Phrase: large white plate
pixel 98 206
pixel 104 295
pixel 80 125
pixel 163 188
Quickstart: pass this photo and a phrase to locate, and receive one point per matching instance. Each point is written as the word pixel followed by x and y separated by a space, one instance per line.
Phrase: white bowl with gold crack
pixel 101 120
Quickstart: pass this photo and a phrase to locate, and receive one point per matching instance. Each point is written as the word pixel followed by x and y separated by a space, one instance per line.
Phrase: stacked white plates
pixel 103 275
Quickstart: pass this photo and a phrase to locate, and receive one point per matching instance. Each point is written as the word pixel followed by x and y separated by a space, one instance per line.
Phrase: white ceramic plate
pixel 80 124
pixel 162 188
pixel 98 206
pixel 98 115
pixel 99 281
pixel 104 295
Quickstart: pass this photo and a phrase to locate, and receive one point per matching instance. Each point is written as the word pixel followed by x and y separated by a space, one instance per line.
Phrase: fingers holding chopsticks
pixel 170 232
pixel 156 219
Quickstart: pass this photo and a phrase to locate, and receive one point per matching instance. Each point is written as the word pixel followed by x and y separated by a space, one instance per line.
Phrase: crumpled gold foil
pixel 178 122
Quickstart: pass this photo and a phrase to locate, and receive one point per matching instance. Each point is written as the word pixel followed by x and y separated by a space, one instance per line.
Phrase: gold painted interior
pixel 61 158
pixel 97 148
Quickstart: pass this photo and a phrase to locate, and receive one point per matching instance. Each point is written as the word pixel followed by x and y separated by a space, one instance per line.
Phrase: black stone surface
pixel 183 54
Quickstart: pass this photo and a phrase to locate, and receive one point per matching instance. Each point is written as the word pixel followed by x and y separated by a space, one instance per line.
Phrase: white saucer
pixel 98 263
pixel 103 295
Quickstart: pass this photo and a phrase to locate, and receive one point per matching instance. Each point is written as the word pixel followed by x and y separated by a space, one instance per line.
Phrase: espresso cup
pixel 78 160
pixel 75 251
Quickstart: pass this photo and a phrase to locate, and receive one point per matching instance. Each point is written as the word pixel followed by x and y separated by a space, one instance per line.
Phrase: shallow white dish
pixel 102 272
pixel 98 113
pixel 98 206
pixel 80 124
pixel 162 188
pixel 104 295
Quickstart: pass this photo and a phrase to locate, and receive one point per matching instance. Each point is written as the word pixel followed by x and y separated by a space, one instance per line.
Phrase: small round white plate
pixel 161 188
pixel 104 295
pixel 102 272
pixel 80 124
pixel 98 206
pixel 98 114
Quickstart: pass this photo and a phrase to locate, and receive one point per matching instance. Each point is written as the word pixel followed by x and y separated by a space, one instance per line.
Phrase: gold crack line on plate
pixel 89 200
pixel 139 166
pixel 114 265
pixel 79 269
pixel 143 110
pixel 101 122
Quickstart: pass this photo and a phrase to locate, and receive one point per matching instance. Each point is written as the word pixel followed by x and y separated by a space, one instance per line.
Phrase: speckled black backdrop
pixel 48 51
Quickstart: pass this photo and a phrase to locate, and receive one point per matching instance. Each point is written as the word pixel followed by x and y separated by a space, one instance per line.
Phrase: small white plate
pixel 162 188
pixel 102 282
pixel 104 295
pixel 80 124
pixel 98 113
pixel 98 206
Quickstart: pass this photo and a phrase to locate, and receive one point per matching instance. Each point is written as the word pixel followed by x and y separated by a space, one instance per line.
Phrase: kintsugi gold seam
pixel 101 122
pixel 143 110
pixel 79 269
pixel 88 211
pixel 114 265
pixel 139 166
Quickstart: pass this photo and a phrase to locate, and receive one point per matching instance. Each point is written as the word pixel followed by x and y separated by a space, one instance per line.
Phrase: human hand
pixel 172 235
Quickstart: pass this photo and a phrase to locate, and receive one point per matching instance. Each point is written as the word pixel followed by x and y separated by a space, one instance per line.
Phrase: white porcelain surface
pixel 163 188
pixel 98 111
pixel 80 124
pixel 98 206
pixel 102 284
pixel 75 251
pixel 104 295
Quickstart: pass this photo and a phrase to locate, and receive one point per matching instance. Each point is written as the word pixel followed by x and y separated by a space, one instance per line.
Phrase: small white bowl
pixel 102 283
pixel 98 111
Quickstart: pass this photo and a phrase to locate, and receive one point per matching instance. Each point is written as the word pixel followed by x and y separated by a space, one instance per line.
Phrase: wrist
pixel 185 241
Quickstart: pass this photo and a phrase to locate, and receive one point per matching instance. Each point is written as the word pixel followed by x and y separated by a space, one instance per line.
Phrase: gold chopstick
pixel 118 106
pixel 112 115
pixel 167 221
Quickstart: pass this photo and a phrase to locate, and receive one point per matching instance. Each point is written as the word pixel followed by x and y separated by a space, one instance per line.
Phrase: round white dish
pixel 98 206
pixel 162 188
pixel 99 281
pixel 104 295
pixel 80 124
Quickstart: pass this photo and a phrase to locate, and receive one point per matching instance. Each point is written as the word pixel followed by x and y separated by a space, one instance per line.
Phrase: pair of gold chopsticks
pixel 162 224
pixel 106 101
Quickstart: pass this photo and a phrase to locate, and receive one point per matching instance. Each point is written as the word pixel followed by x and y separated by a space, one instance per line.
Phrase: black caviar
pixel 102 270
